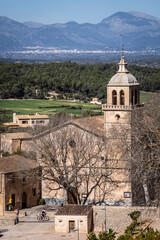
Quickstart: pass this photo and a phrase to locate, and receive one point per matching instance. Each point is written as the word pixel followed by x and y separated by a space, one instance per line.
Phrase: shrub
pixel 126 236
pixel 149 234
pixel 131 227
pixel 134 215
pixel 107 235
pixel 92 236
pixel 41 201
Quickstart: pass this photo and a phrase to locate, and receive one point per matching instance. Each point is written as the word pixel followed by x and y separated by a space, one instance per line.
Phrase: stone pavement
pixel 156 224
pixel 38 231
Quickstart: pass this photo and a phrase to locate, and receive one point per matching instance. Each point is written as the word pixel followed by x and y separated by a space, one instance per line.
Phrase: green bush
pixel 107 235
pixel 126 236
pixel 41 201
pixel 149 234
pixel 131 227
pixel 102 235
pixel 134 215
pixel 92 236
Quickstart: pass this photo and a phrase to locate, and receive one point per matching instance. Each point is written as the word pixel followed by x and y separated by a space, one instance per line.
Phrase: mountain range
pixel 139 31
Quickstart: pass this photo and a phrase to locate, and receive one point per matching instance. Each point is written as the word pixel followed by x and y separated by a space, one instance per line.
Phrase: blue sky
pixel 81 11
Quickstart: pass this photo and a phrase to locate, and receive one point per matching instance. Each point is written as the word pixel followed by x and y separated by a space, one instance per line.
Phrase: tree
pixel 145 159
pixel 74 161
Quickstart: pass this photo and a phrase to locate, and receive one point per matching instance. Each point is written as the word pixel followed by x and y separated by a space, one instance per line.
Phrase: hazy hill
pixel 140 31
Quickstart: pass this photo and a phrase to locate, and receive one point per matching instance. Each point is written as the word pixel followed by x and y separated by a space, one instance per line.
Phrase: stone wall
pixel 7 221
pixel 62 223
pixel 117 217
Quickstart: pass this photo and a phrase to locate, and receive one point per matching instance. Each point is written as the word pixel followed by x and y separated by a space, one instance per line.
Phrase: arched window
pixel 132 97
pixel 114 97
pixel 136 97
pixel 122 100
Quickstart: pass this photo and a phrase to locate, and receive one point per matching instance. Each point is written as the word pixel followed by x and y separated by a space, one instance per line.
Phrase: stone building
pixel 20 186
pixel 113 129
pixel 71 217
pixel 28 120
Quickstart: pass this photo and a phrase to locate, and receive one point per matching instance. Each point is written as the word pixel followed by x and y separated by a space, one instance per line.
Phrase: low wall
pixel 7 221
pixel 117 217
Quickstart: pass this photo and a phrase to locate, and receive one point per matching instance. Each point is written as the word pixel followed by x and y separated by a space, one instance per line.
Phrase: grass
pixel 46 107
pixel 144 96
pixel 54 106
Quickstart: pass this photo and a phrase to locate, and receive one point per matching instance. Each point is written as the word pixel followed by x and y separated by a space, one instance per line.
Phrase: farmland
pixel 53 106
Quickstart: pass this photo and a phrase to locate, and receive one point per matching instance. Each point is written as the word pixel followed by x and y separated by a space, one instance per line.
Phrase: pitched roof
pixel 71 209
pixel 93 124
pixel 15 135
pixel 16 163
pixel 32 116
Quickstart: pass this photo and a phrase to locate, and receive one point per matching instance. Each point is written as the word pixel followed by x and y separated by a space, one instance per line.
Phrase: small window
pixel 32 122
pixel 24 180
pixel 72 143
pixel 117 116
pixel 132 97
pixel 24 122
pixel 34 192
pixel 114 97
pixel 136 97
pixel 122 101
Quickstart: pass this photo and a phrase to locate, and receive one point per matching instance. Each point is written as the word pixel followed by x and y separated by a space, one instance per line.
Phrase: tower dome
pixel 123 77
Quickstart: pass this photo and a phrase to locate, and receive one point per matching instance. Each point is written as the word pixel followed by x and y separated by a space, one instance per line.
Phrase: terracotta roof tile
pixel 15 163
pixel 94 124
pixel 31 116
pixel 74 210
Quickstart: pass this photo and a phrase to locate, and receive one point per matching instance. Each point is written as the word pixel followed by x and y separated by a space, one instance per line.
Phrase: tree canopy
pixel 22 80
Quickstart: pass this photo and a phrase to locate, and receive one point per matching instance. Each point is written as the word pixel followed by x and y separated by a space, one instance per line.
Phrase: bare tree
pixel 75 161
pixel 145 159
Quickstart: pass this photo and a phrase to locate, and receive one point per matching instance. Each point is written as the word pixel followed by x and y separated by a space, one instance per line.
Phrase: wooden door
pixel 71 226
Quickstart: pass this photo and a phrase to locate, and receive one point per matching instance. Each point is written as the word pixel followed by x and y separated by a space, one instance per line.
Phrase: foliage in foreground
pixel 102 235
pixel 148 234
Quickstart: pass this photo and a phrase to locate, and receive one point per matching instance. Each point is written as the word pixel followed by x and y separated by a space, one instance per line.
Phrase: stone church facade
pixel 114 128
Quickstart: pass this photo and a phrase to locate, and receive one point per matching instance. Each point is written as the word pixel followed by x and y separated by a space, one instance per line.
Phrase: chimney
pixel 14 117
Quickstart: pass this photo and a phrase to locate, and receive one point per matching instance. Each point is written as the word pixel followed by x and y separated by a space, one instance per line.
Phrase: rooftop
pixel 32 116
pixel 16 163
pixel 123 77
pixel 93 124
pixel 79 210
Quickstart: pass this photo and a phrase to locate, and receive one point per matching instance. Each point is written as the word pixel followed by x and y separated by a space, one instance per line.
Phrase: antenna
pixel 122 49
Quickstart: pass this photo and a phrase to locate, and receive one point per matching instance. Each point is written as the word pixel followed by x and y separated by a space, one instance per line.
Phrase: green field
pixel 46 107
pixel 144 96
pixel 52 107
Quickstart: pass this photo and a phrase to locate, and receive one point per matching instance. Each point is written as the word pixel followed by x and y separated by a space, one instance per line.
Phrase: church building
pixel 123 99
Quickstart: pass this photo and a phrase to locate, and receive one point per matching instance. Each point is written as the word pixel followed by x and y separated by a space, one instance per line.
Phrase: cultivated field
pixel 47 107
pixel 52 107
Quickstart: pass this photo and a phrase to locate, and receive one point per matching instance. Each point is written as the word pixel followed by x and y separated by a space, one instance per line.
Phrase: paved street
pixel 37 231
pixel 30 229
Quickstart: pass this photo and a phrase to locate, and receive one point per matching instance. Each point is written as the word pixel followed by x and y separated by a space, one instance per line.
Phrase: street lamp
pixel 105 218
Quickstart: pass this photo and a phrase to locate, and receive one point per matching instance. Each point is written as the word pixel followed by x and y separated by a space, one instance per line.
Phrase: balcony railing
pixel 121 107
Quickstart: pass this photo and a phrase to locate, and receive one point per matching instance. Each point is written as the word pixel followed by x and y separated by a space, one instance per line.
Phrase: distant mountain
pixel 140 31
pixel 31 24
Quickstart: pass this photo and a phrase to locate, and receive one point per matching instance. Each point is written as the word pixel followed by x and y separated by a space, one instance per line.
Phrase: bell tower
pixel 123 95
pixel 123 98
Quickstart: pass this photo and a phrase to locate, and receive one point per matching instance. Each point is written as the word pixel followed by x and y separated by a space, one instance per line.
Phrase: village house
pixel 20 184
pixel 28 120
pixel 74 217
